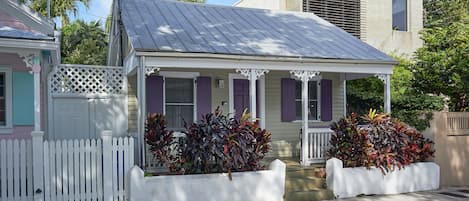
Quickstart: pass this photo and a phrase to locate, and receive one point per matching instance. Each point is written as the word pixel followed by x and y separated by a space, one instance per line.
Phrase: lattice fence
pixel 86 80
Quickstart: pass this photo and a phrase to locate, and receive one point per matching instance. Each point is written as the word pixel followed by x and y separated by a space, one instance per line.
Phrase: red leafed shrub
pixel 160 140
pixel 377 140
pixel 213 145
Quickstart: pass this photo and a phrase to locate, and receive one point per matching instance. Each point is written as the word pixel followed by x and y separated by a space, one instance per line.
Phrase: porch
pixel 285 101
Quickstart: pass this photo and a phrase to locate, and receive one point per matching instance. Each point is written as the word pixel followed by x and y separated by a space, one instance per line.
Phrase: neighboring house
pixel 392 26
pixel 185 60
pixel 28 48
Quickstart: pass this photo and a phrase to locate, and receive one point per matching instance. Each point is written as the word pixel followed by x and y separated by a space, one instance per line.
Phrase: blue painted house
pixel 289 69
pixel 28 49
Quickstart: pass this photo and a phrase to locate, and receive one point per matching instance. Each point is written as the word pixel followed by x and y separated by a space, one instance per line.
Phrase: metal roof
pixel 12 27
pixel 171 26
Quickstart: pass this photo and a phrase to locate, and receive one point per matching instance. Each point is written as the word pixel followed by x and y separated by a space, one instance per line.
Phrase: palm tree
pixel 58 8
pixel 84 43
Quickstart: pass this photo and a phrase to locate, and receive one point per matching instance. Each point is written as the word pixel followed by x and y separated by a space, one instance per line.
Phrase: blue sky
pixel 99 9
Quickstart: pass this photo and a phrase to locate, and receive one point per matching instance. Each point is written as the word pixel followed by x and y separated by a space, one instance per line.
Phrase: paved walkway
pixel 447 194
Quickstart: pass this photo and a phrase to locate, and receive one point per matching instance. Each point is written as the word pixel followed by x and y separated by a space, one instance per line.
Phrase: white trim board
pixel 29 44
pixel 215 63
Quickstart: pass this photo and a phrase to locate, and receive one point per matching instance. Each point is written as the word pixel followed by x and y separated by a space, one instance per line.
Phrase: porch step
pixel 305 183
pixel 312 195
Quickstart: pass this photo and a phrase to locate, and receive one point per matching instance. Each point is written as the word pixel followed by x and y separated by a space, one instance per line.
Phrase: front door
pixel 241 96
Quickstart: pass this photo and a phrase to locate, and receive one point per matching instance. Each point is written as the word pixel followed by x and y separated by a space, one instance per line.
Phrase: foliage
pixel 215 144
pixel 441 65
pixel 58 8
pixel 444 12
pixel 203 149
pixel 160 140
pixel 407 104
pixel 377 140
pixel 84 43
pixel 222 144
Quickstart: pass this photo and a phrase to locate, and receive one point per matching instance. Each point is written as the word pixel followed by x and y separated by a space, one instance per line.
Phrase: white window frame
pixel 8 128
pixel 183 75
pixel 318 83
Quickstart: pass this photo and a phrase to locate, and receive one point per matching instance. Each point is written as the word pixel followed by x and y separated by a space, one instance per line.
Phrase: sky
pixel 99 10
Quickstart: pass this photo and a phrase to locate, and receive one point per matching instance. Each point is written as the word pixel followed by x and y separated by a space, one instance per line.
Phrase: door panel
pixel 241 96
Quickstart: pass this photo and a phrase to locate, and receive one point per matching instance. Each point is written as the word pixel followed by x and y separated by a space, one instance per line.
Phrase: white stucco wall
pixel 265 185
pixel 378 30
pixel 351 182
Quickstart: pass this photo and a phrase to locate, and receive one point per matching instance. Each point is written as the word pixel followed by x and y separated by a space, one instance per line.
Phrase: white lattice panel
pixel 86 80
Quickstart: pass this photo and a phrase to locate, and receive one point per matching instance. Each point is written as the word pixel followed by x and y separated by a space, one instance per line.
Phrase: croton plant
pixel 377 140
pixel 216 143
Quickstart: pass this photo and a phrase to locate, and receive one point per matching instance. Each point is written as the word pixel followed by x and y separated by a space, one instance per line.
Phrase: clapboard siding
pixel 285 135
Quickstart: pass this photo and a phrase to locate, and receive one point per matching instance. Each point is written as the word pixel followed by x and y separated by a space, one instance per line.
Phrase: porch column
pixel 36 70
pixel 141 102
pixel 304 76
pixel 386 78
pixel 252 75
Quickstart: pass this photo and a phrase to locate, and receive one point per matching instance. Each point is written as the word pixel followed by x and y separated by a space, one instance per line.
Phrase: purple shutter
pixel 154 90
pixel 326 100
pixel 288 100
pixel 204 96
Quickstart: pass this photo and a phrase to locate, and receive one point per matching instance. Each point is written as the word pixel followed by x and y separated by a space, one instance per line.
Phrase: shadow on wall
pixel 451 135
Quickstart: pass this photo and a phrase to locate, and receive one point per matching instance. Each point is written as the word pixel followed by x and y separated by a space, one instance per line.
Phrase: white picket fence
pixel 16 180
pixel 318 142
pixel 68 170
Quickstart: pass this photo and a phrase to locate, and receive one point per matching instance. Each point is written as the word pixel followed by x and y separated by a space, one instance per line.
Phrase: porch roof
pixel 171 26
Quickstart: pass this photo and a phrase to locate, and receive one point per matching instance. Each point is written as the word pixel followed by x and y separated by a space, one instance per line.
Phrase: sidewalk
pixel 446 194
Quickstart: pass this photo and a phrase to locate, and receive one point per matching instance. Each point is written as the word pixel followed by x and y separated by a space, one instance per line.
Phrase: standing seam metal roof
pixel 171 26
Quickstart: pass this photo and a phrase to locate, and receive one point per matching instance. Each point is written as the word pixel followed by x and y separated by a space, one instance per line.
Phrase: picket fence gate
pixel 65 170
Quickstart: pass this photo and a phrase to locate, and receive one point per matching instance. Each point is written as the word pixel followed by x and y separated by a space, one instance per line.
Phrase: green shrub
pixel 377 140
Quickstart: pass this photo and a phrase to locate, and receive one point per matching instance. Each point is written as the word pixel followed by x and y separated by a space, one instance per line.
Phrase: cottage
pixel 288 69
pixel 29 47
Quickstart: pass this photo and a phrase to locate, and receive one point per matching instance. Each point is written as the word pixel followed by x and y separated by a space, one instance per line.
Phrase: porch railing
pixel 318 142
pixel 457 123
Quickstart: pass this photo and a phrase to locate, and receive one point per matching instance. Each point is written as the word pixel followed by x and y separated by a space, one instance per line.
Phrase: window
pixel 313 94
pixel 179 99
pixel 5 100
pixel 399 15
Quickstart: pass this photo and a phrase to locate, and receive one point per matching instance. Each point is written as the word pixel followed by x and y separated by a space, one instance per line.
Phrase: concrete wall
pixel 351 182
pixel 452 150
pixel 376 23
pixel 263 185
pixel 378 27
pixel 285 135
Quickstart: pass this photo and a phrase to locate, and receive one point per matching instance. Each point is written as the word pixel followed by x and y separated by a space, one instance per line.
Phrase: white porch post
pixel 252 75
pixel 36 69
pixel 141 110
pixel 386 78
pixel 304 76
